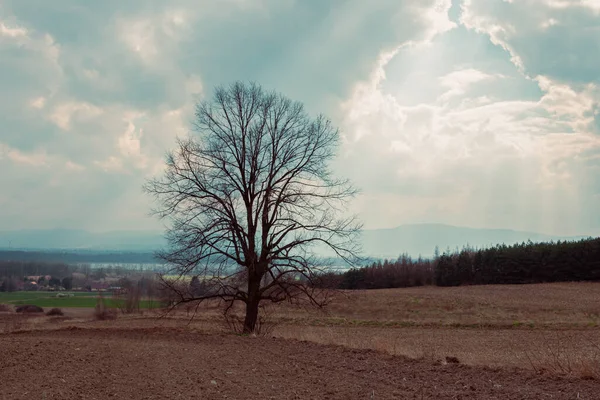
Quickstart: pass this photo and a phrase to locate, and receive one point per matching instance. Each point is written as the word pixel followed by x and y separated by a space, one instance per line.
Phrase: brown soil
pixel 169 363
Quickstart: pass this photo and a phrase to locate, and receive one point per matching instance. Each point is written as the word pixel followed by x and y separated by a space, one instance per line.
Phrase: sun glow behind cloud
pixel 477 146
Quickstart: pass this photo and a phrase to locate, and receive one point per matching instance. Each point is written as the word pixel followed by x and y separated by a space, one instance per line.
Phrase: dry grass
pixel 562 353
pixel 560 305
pixel 531 349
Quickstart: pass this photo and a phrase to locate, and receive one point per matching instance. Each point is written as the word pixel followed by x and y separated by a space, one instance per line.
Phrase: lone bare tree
pixel 250 198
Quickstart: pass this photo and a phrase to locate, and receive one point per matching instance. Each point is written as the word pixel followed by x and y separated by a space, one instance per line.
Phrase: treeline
pixel 25 268
pixel 403 272
pixel 12 273
pixel 502 264
pixel 521 263
pixel 21 269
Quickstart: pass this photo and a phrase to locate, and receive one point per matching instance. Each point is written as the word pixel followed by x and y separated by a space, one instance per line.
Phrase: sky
pixel 478 113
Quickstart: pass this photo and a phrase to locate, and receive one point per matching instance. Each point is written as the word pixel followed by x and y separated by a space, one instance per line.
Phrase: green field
pixel 49 299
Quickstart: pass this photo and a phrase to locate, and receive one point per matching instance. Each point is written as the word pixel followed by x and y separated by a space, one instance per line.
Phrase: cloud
pixel 152 37
pixel 38 102
pixel 103 93
pixel 554 38
pixel 471 152
pixel 20 158
pixel 12 32
pixel 74 166
pixel 111 164
pixel 64 113
pixel 444 108
pixel 459 81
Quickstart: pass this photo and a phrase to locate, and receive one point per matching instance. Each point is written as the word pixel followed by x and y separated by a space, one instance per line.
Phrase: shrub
pixel 101 312
pixel 28 308
pixel 264 325
pixel 129 302
pixel 55 311
pixel 5 308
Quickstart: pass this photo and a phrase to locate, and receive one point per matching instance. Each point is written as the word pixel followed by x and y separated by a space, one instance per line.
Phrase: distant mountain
pixel 418 239
pixel 421 239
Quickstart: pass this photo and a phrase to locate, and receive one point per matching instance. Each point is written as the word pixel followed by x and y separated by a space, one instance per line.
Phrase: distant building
pixel 99 286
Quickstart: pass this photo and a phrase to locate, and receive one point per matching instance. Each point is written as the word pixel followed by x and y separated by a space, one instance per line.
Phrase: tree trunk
pixel 252 304
pixel 251 315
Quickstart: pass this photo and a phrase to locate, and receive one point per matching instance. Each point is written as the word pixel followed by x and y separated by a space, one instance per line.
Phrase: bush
pixel 55 311
pixel 129 302
pixel 28 308
pixel 101 312
pixel 5 308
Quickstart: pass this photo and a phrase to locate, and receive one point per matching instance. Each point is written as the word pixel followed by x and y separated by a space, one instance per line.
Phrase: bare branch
pixel 250 199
